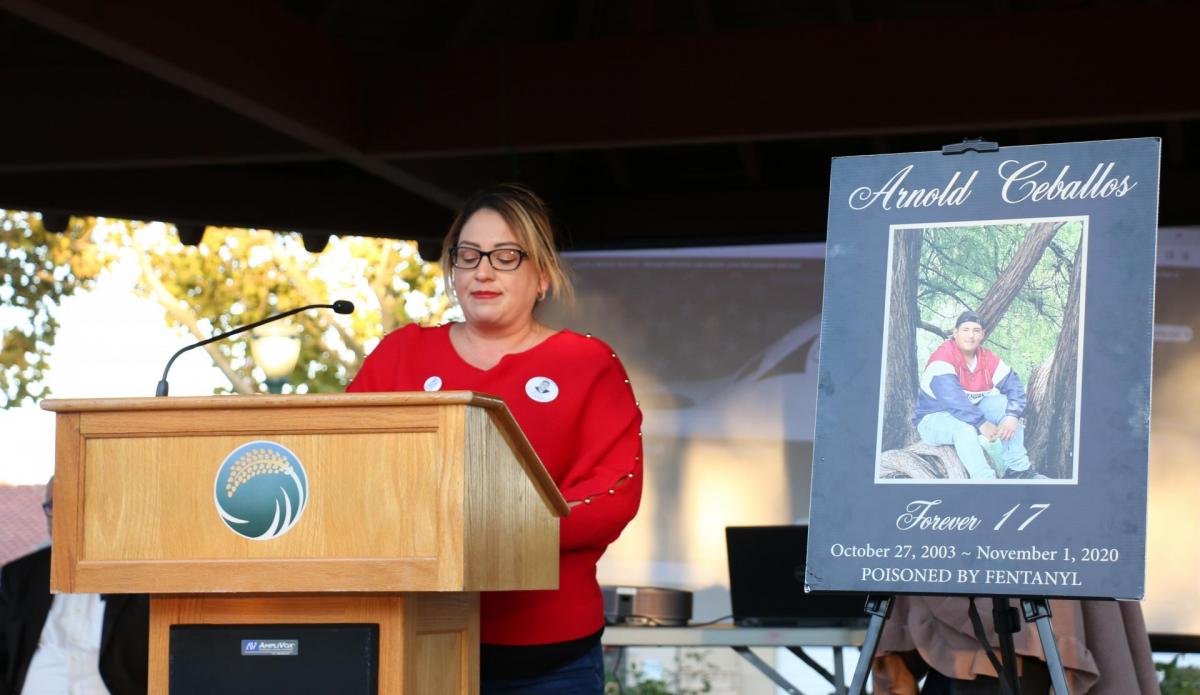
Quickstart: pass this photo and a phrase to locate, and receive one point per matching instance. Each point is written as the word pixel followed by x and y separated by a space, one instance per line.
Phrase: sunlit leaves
pixel 233 277
pixel 38 269
pixel 238 276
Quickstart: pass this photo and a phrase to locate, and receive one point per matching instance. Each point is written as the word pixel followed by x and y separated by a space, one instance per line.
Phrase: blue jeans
pixel 583 676
pixel 941 429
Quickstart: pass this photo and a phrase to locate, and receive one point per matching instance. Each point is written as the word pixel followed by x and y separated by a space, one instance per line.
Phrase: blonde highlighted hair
pixel 528 216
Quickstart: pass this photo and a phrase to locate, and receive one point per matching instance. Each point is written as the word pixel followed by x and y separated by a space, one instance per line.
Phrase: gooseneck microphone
pixel 341 306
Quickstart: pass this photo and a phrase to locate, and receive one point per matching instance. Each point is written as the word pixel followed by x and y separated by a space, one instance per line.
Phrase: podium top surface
pixel 320 400
pixel 298 402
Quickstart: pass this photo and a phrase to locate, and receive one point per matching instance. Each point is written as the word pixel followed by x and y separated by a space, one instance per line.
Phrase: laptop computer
pixel 766 582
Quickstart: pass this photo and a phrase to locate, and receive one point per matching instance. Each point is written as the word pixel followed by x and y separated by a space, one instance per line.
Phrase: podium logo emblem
pixel 261 490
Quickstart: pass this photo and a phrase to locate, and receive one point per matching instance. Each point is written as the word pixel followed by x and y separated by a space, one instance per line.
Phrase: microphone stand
pixel 340 306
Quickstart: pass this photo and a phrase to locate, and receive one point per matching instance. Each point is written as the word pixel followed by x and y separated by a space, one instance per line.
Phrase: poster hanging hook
pixel 971 145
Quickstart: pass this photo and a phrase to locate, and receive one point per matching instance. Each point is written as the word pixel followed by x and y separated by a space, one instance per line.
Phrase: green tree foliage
pixel 959 265
pixel 1178 680
pixel 233 277
pixel 238 276
pixel 693 674
pixel 38 270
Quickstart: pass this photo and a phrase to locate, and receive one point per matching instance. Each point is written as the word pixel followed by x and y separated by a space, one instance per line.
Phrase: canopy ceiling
pixel 644 122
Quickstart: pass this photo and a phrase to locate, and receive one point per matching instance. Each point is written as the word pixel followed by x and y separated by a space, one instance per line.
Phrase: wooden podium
pixel 415 502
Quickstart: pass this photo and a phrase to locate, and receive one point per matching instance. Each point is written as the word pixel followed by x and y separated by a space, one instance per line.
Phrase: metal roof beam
pixel 253 58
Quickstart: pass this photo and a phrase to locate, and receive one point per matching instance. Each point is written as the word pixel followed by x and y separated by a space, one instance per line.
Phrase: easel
pixel 1004 617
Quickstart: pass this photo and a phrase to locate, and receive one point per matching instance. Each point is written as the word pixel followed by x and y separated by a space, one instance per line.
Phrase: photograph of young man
pixel 970 398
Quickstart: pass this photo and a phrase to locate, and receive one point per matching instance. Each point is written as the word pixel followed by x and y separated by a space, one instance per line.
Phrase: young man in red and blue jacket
pixel 968 391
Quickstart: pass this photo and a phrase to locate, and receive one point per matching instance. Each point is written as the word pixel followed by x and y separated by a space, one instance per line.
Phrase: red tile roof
pixel 22 524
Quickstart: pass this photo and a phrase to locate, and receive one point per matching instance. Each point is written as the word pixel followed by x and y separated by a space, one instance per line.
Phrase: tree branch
pixel 1009 283
pixel 188 320
pixel 300 280
pixel 933 329
pixel 379 284
pixel 953 284
pixel 946 260
pixel 315 328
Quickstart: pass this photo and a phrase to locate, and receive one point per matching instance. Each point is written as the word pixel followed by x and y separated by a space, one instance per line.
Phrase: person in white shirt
pixel 67 644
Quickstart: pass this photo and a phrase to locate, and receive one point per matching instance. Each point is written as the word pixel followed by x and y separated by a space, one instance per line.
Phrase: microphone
pixel 341 306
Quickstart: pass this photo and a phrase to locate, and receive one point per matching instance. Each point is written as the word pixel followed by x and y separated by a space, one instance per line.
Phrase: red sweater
pixel 572 398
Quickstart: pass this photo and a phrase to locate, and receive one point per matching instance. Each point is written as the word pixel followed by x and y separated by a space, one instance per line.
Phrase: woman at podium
pixel 570 395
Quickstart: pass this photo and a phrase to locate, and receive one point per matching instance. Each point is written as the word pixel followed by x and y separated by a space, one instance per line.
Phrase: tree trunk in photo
pixel 920 461
pixel 1010 282
pixel 1037 430
pixel 1050 413
pixel 900 386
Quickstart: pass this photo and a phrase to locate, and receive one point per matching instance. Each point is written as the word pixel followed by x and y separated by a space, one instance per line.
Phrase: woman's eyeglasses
pixel 468 258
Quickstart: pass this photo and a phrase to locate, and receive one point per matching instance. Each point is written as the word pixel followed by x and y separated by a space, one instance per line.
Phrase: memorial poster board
pixel 983 409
